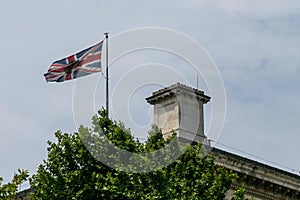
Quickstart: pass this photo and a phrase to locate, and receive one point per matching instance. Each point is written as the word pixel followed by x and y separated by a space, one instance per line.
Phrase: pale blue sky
pixel 255 44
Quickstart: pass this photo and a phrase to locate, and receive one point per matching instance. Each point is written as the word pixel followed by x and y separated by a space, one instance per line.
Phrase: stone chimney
pixel 179 108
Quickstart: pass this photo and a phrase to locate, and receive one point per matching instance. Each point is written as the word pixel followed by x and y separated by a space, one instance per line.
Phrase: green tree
pixel 71 172
pixel 9 190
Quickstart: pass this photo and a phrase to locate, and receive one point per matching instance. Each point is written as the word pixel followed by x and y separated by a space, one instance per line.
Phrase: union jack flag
pixel 86 62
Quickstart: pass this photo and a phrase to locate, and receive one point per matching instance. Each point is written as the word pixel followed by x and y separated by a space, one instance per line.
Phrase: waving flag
pixel 80 64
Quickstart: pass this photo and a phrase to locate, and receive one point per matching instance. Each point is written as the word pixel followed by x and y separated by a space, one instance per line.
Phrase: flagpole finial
pixel 106 34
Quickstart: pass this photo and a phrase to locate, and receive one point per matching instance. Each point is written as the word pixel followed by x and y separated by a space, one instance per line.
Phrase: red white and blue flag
pixel 80 64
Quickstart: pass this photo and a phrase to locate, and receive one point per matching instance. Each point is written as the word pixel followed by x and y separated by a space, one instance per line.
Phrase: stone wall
pixel 262 182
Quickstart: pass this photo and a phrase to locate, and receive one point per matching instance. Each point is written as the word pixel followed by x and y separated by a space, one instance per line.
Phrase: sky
pixel 255 45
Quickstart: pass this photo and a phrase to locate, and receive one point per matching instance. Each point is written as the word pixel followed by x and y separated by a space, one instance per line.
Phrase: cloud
pixel 22 142
pixel 255 44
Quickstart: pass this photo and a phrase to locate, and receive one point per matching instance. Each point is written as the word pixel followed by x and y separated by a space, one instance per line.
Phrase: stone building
pixel 24 195
pixel 179 108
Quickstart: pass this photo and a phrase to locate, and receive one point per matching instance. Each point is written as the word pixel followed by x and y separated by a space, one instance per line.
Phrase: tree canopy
pixel 9 190
pixel 72 172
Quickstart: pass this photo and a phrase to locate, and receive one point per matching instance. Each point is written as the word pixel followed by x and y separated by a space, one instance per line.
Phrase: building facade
pixel 179 108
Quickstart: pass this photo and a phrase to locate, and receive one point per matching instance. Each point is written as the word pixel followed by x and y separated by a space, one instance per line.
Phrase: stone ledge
pixel 259 171
pixel 177 89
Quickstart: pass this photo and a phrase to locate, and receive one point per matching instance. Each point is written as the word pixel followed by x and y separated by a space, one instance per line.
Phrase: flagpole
pixel 107 94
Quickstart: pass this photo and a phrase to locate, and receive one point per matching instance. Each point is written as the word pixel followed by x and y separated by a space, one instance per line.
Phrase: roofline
pixel 256 163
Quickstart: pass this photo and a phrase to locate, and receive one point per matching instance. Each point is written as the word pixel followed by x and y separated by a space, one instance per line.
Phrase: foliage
pixel 239 193
pixel 8 191
pixel 71 172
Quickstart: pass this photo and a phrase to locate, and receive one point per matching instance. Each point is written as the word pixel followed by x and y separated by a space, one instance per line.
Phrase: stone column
pixel 179 108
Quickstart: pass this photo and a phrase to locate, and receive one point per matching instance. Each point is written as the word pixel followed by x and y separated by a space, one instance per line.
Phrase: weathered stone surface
pixel 263 182
pixel 179 108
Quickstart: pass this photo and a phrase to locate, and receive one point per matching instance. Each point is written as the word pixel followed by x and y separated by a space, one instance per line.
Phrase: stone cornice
pixel 255 173
pixel 177 89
